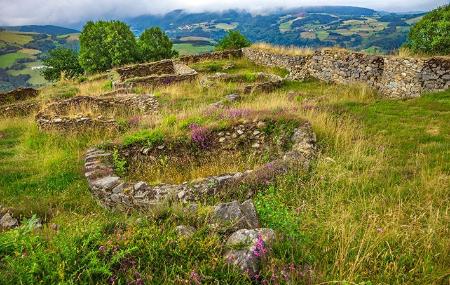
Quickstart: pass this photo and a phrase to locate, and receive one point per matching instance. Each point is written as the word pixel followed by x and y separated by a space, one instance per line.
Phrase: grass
pixel 373 210
pixel 190 49
pixel 292 50
pixel 15 38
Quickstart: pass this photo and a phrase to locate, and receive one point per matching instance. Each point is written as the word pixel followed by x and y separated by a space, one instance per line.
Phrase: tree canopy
pixel 233 40
pixel 61 61
pixel 154 45
pixel 105 44
pixel 431 35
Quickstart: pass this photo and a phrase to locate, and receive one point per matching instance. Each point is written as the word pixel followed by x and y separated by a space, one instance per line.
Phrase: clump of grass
pixel 147 137
pixel 288 50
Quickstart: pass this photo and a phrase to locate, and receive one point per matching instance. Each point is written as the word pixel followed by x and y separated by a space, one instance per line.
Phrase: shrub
pixel 61 61
pixel 233 40
pixel 431 35
pixel 155 45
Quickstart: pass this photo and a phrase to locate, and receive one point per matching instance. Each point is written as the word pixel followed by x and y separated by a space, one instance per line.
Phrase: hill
pixel 22 49
pixel 349 27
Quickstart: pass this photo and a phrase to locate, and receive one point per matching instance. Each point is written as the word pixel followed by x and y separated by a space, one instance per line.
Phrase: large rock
pixel 236 216
pixel 248 248
pixel 185 231
pixel 7 221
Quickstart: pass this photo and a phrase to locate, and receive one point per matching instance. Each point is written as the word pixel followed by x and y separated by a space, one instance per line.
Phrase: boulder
pixel 236 216
pixel 248 248
pixel 7 221
pixel 185 231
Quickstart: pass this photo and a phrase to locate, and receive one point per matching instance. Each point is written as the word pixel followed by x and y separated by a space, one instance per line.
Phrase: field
pixel 189 49
pixel 36 78
pixel 373 209
pixel 9 59
pixel 15 38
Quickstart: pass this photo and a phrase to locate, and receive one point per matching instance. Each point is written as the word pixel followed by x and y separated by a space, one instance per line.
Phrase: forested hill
pixel 350 27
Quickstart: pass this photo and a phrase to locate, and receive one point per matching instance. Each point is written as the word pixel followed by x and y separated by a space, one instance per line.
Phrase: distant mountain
pixel 41 29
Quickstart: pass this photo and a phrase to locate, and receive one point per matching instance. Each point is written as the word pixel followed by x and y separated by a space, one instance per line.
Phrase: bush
pixel 155 45
pixel 431 35
pixel 233 40
pixel 106 44
pixel 61 61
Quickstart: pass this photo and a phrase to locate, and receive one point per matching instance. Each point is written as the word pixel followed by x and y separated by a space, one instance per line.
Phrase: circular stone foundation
pixel 267 148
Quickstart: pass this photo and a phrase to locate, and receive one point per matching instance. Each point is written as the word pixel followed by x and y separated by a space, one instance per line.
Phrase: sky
pixel 65 12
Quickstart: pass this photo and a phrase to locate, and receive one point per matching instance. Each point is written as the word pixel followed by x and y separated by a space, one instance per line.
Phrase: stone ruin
pixel 115 192
pixel 247 243
pixel 18 102
pixel 154 74
pixel 70 114
pixel 264 82
pixel 394 77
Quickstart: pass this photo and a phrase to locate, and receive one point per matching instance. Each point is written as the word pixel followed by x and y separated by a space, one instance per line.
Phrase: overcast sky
pixel 20 12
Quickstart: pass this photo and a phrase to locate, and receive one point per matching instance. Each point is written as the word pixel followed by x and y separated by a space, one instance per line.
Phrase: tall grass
pixel 288 50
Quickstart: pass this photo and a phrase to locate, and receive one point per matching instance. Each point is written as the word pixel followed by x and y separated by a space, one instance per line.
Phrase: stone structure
pixel 19 109
pixel 394 77
pixel 227 54
pixel 19 94
pixel 154 74
pixel 113 191
pixel 58 115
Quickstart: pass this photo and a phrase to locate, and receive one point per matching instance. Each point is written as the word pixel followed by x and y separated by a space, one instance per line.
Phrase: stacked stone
pixel 394 77
pixel 55 115
pixel 227 54
pixel 19 109
pixel 114 192
pixel 19 94
pixel 154 74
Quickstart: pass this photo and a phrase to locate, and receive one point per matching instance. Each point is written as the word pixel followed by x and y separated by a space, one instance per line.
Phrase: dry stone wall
pixel 17 95
pixel 228 54
pixel 393 77
pixel 115 192
pixel 141 70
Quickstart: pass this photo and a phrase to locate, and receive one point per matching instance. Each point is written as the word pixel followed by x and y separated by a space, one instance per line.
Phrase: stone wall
pixel 394 77
pixel 19 109
pixel 227 54
pixel 115 192
pixel 17 95
pixel 144 77
pixel 141 70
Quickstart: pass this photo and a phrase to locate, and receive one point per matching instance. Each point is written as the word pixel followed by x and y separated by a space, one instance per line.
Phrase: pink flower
pixel 260 249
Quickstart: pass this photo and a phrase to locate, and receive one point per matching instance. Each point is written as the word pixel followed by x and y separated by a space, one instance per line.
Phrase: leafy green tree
pixel 431 35
pixel 105 44
pixel 155 45
pixel 61 61
pixel 233 40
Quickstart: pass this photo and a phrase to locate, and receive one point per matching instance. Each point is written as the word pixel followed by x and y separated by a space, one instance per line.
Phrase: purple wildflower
pixel 102 248
pixel 195 277
pixel 199 135
pixel 236 113
pixel 260 248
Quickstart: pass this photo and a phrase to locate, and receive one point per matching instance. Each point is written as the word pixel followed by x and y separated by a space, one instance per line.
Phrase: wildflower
pixel 260 248
pixel 199 135
pixel 195 278
pixel 102 248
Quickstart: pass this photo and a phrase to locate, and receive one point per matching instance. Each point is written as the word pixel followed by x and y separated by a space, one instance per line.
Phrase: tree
pixel 105 44
pixel 431 35
pixel 155 45
pixel 233 40
pixel 61 61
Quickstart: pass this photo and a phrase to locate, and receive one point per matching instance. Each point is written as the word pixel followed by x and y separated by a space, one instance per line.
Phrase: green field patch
pixel 31 69
pixel 30 51
pixel 15 38
pixel 226 27
pixel 190 49
pixel 322 35
pixel 9 59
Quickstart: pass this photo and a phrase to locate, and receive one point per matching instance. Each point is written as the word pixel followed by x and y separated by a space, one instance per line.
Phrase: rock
pixel 248 248
pixel 7 221
pixel 106 183
pixel 140 186
pixel 256 145
pixel 185 231
pixel 236 216
pixel 233 97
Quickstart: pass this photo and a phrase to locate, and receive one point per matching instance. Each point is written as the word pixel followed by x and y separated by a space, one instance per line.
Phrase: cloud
pixel 20 12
